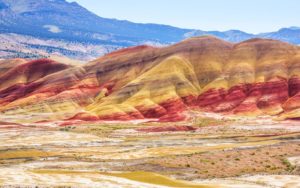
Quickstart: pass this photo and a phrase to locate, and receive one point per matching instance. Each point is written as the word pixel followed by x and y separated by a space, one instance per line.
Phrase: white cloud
pixel 53 28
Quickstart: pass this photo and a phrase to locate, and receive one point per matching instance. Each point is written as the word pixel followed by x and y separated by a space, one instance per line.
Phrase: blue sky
pixel 248 15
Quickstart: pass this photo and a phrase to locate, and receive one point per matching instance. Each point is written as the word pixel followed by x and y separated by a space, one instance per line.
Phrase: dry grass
pixel 144 177
pixel 19 154
pixel 228 163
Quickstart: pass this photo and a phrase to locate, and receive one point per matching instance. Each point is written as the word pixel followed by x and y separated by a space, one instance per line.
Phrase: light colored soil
pixel 220 164
pixel 96 151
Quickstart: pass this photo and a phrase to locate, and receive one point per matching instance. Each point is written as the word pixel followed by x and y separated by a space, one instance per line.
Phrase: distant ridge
pixel 58 24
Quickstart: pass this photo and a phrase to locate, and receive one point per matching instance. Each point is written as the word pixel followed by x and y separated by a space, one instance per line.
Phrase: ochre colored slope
pixel 156 93
pixel 254 77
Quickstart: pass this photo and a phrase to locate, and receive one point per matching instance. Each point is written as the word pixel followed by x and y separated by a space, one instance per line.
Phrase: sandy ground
pixel 238 153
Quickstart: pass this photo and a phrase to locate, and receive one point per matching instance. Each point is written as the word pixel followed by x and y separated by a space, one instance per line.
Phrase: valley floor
pixel 206 152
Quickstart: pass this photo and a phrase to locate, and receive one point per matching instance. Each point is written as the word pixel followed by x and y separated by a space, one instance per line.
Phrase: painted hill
pixel 33 29
pixel 255 77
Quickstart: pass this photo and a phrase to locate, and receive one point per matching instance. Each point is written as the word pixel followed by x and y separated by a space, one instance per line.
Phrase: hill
pixel 254 77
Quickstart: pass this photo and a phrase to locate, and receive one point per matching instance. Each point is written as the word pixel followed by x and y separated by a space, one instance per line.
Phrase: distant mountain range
pixel 52 21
